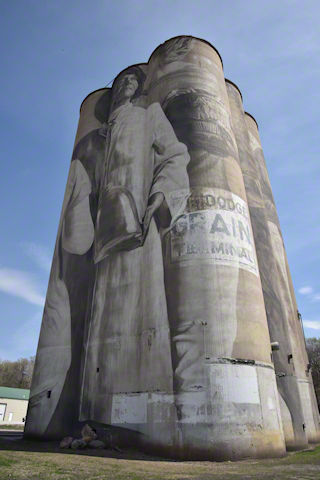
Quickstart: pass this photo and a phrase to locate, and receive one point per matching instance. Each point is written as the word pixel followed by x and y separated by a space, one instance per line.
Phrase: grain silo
pixel 155 328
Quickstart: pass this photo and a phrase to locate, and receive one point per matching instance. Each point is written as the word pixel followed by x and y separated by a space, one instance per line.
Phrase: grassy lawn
pixel 22 460
pixel 11 427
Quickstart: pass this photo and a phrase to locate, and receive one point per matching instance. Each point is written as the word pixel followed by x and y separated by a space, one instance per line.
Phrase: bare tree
pixel 17 374
pixel 313 348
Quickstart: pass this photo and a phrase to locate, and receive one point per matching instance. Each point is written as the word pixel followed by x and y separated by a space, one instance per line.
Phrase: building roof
pixel 15 393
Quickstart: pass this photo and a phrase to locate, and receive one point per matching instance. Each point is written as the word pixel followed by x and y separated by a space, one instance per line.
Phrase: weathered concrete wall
pixel 53 409
pixel 292 358
pixel 271 283
pixel 211 272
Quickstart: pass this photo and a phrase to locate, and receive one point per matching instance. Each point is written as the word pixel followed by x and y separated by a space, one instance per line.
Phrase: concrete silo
pixel 56 384
pixel 155 325
pixel 290 401
pixel 211 272
pixel 293 365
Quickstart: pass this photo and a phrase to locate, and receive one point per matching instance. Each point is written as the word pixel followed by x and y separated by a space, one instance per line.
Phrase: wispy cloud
pixel 305 290
pixel 309 292
pixel 314 325
pixel 40 254
pixel 20 284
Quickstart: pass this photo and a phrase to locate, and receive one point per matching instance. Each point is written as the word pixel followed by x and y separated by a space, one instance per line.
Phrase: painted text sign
pixel 216 227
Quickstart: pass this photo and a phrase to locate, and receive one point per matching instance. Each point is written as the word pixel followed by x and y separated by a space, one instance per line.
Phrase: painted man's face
pixel 126 86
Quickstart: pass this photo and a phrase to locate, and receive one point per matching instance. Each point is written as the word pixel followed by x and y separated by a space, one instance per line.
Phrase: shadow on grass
pixel 16 443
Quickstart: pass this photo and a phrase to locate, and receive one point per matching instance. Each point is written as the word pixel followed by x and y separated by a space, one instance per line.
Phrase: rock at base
pixel 66 442
pixel 88 434
pixel 96 444
pixel 78 443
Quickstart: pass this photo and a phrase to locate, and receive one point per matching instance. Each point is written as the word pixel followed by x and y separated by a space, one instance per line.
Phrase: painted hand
pixel 154 203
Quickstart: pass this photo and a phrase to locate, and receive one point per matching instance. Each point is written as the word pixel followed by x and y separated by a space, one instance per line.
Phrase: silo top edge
pixel 251 116
pixel 91 93
pixel 188 36
pixel 146 63
pixel 109 88
pixel 234 85
pixel 129 66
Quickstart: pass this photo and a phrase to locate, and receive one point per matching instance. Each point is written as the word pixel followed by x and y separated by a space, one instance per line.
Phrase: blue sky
pixel 53 53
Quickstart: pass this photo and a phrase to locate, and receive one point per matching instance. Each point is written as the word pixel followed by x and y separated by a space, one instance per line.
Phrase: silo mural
pixel 155 324
pixel 294 363
pixel 290 401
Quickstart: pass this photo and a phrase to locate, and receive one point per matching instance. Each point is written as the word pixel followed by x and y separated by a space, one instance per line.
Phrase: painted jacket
pixel 143 155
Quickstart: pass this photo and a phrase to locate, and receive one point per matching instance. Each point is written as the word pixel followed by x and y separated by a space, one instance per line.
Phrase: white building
pixel 13 405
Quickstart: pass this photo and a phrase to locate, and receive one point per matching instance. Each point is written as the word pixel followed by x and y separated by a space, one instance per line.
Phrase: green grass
pixel 25 460
pixel 6 462
pixel 305 457
pixel 12 427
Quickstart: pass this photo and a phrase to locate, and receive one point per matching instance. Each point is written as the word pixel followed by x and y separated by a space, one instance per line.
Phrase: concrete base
pixel 311 416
